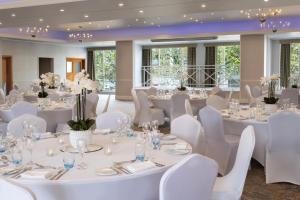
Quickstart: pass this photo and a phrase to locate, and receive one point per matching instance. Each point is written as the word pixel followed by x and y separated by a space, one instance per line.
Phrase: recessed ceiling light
pixel 152 23
pixel 13 14
pixel 184 15
pixel 47 26
pixel 203 5
pixel 145 22
pixel 191 18
pixel 241 11
pixel 0 23
pixel 266 0
pixel 68 29
pixel 196 20
pixel 141 11
pixel 137 20
pixel 90 23
pixel 86 16
pixel 62 10
pixel 121 4
pixel 107 26
pixel 41 19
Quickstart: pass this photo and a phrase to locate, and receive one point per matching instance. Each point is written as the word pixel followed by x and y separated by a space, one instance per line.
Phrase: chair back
pixel 16 126
pixel 13 191
pixel 235 179
pixel 106 104
pixel 256 91
pixel 144 114
pixel 151 91
pixel 2 96
pixel 189 129
pixel 23 107
pixel 251 99
pixel 188 107
pixel 192 178
pixel 137 106
pixel 178 105
pixel 91 105
pixel 290 93
pixel 214 91
pixel 109 120
pixel 217 102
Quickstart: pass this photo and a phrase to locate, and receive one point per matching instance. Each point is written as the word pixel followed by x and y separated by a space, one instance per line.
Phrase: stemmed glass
pixel 29 142
pixel 82 147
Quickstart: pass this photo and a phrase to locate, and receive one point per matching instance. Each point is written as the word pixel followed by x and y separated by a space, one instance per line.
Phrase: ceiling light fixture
pixel 203 6
pixel 80 36
pixel 86 16
pixel 35 30
pixel 62 10
pixel 13 15
pixel 141 11
pixel 41 19
pixel 266 0
pixel 68 29
pixel 184 15
pixel 0 23
pixel 137 20
pixel 90 23
pixel 120 4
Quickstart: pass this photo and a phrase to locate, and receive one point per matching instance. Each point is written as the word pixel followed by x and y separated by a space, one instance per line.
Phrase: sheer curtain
pixel 285 64
pixel 210 60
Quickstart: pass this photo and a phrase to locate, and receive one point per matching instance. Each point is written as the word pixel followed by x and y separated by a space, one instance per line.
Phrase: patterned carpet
pixel 256 187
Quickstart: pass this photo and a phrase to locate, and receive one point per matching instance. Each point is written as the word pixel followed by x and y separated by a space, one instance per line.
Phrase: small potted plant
pixel 182 76
pixel 271 99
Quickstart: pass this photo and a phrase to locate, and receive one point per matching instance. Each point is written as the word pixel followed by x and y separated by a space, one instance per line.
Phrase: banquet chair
pixel 282 151
pixel 251 99
pixel 15 126
pixel 218 146
pixel 151 91
pixel 290 93
pixel 214 91
pixel 178 105
pixel 13 191
pixel 230 187
pixel 190 130
pixel 2 96
pixel 256 91
pixel 106 104
pixel 136 106
pixel 109 120
pixel 188 107
pixel 148 114
pixel 23 107
pixel 217 102
pixel 91 105
pixel 191 179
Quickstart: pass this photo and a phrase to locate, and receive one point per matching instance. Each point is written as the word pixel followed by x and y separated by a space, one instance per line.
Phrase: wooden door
pixel 7 73
pixel 73 66
pixel 46 65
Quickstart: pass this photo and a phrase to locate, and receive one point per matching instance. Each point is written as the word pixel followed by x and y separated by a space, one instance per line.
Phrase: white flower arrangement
pixel 271 82
pixel 82 81
pixel 51 79
pixel 267 80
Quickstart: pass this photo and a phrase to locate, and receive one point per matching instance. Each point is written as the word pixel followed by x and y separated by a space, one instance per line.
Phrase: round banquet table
pixel 53 114
pixel 236 125
pixel 85 184
pixel 164 103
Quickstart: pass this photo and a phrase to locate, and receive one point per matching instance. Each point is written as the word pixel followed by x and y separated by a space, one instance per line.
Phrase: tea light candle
pixel 107 150
pixel 114 140
pixel 50 152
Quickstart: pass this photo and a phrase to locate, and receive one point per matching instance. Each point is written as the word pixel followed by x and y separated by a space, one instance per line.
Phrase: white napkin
pixel 139 166
pixel 102 131
pixel 37 174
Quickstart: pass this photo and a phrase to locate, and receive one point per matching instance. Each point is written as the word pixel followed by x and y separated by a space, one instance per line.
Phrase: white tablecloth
pixel 86 185
pixel 165 104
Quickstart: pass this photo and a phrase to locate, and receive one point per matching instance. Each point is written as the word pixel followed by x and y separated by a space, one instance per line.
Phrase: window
pixel 228 66
pixel 105 69
pixel 295 60
pixel 166 62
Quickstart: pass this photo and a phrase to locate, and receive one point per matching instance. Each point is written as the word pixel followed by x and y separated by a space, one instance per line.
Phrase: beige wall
pixel 252 61
pixel 124 69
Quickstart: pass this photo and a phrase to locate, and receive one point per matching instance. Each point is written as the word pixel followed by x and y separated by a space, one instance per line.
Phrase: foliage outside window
pixel 295 60
pixel 105 69
pixel 228 64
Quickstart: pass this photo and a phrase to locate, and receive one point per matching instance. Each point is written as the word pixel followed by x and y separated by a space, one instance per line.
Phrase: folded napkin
pixel 139 166
pixel 102 131
pixel 37 174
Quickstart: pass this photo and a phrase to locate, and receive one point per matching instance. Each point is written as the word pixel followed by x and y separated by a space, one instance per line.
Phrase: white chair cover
pixel 282 152
pixel 191 179
pixel 251 99
pixel 290 93
pixel 189 129
pixel 15 126
pixel 151 91
pixel 217 102
pixel 178 105
pixel 23 107
pixel 214 91
pixel 91 105
pixel 188 107
pixel 146 113
pixel 230 187
pixel 106 104
pixel 109 120
pixel 2 96
pixel 13 191
pixel 137 106
pixel 256 91
pixel 218 146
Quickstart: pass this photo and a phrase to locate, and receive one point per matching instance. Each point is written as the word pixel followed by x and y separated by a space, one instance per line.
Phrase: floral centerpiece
pixel 80 126
pixel 271 82
pixel 294 80
pixel 51 79
pixel 182 76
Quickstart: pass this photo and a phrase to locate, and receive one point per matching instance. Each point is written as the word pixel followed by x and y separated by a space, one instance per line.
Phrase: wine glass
pixel 81 147
pixel 29 146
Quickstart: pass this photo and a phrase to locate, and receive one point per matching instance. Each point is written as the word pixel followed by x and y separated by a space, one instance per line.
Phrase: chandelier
pixel 262 13
pixel 80 36
pixel 33 31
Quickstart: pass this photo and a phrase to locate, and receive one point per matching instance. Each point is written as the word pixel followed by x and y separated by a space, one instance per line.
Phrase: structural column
pixel 252 62
pixel 124 69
